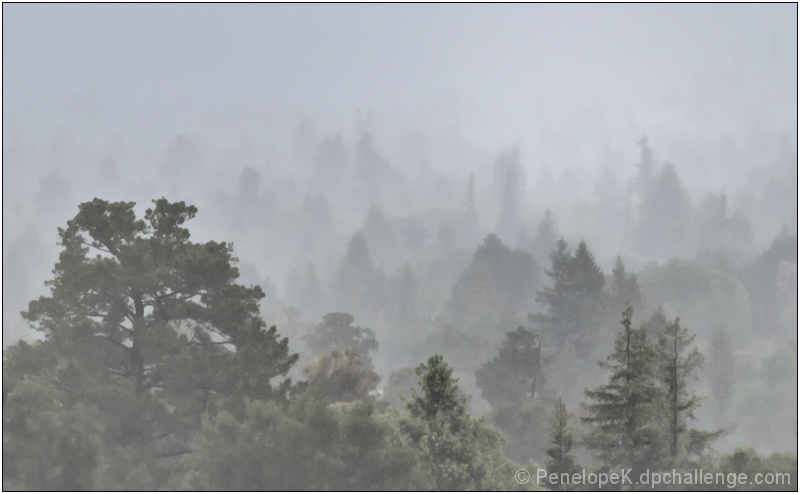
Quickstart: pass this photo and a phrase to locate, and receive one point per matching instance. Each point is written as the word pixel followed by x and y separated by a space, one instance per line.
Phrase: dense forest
pixel 266 274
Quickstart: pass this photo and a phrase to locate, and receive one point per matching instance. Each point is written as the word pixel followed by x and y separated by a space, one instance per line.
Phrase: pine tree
pixel 561 460
pixel 588 277
pixel 514 374
pixel 677 363
pixel 575 303
pixel 622 411
pixel 460 452
pixel 559 299
pixel 624 287
pixel 337 330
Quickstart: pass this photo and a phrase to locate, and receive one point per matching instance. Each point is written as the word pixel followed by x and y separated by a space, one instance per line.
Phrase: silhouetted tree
pixel 621 411
pixel 497 281
pixel 624 287
pixel 560 459
pixel 677 364
pixel 664 214
pixel 515 373
pixel 337 330
pixel 144 331
pixel 341 375
pixel 575 302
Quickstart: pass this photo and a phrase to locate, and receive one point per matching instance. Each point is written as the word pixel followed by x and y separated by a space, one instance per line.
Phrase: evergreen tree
pixel 575 303
pixel 560 459
pixel 358 285
pixel 337 331
pixel 498 282
pixel 514 374
pixel 665 210
pixel 341 375
pixel 677 363
pixel 559 299
pixel 459 452
pixel 622 412
pixel 624 287
pixel 140 339
pixel 588 278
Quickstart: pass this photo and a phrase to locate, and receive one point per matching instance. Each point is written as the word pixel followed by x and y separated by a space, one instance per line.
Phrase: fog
pixel 359 157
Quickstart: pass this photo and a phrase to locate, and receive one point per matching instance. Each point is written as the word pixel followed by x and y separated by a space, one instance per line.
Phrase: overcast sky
pixel 503 74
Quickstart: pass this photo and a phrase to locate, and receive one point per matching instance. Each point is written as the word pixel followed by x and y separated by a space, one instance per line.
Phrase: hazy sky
pixel 497 70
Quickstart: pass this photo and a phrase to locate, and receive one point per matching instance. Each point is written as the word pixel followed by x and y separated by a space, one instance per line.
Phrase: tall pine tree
pixel 678 362
pixel 621 411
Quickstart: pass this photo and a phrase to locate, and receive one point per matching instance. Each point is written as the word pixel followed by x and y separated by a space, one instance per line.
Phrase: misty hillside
pixel 234 235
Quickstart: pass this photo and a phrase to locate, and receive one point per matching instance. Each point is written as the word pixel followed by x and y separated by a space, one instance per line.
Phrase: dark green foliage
pixel 782 468
pixel 677 364
pixel 524 427
pixel 621 411
pixel 498 282
pixel 514 374
pixel 439 394
pixel 641 417
pixel 560 459
pixel 142 338
pixel 309 446
pixel 575 302
pixel 460 452
pixel 398 386
pixel 337 330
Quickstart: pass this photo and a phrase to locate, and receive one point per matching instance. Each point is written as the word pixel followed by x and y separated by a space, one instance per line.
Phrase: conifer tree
pixel 624 287
pixel 514 374
pixel 560 459
pixel 575 302
pixel 678 362
pixel 622 411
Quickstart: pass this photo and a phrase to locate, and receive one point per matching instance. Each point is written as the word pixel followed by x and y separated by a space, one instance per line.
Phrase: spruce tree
pixel 515 373
pixel 624 286
pixel 575 303
pixel 622 411
pixel 560 459
pixel 678 362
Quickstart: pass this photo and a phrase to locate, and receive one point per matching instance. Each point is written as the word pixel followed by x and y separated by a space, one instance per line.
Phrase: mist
pixel 414 166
